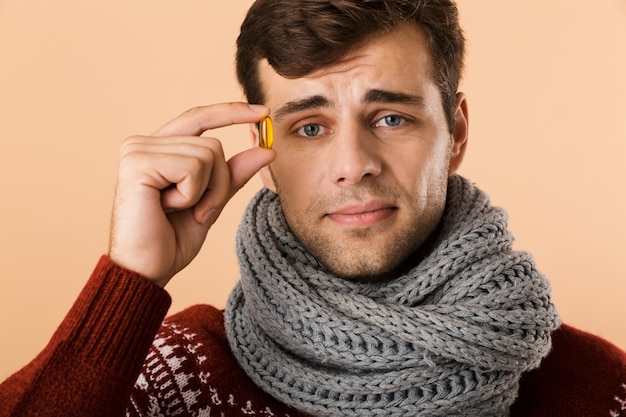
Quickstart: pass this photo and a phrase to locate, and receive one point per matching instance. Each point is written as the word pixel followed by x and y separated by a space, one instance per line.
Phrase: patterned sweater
pixel 104 360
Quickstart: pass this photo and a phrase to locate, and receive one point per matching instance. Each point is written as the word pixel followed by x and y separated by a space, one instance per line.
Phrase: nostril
pixel 357 179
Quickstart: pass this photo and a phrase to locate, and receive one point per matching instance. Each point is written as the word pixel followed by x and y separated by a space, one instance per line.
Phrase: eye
pixel 392 120
pixel 310 130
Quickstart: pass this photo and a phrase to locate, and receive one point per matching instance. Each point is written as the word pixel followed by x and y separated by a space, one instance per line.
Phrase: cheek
pixel 419 161
pixel 424 174
pixel 295 178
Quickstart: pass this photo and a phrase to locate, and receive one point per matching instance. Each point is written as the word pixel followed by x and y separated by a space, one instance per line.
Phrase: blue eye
pixel 310 130
pixel 390 121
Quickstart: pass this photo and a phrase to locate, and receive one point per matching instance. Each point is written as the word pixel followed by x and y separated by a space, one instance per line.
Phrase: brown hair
pixel 299 37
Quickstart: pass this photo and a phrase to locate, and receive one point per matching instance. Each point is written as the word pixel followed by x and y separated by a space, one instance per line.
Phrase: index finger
pixel 198 120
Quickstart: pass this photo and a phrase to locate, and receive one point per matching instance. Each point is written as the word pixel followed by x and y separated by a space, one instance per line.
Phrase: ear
pixel 264 173
pixel 459 134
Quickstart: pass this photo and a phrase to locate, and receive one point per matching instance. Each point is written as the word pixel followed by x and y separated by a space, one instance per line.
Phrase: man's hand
pixel 173 185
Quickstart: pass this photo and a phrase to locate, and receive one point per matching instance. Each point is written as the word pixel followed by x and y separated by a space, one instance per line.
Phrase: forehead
pixel 396 60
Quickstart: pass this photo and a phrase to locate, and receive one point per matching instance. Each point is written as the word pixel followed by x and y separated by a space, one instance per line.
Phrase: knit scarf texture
pixel 451 337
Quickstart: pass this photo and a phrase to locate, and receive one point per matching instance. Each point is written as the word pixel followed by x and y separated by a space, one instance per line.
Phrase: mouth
pixel 363 215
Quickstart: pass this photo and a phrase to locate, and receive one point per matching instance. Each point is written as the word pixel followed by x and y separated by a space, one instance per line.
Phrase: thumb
pixel 244 165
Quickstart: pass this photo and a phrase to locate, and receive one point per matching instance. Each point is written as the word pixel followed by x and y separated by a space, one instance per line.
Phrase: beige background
pixel 547 92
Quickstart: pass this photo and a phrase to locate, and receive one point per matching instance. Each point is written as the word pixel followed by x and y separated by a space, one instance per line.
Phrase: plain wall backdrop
pixel 546 82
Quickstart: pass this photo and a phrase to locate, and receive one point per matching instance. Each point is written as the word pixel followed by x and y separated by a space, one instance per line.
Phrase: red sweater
pixel 92 363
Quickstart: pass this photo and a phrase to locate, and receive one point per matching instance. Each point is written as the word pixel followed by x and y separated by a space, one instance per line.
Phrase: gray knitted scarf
pixel 449 338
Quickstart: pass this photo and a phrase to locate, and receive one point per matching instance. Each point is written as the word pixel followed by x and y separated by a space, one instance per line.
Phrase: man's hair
pixel 301 36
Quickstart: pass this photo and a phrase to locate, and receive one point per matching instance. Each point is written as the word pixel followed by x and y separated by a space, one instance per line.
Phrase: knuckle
pixel 197 164
pixel 216 146
pixel 206 155
pixel 207 161
pixel 130 144
pixel 210 145
pixel 192 111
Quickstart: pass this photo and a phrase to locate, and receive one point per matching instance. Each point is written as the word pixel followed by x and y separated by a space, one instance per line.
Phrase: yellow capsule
pixel 266 133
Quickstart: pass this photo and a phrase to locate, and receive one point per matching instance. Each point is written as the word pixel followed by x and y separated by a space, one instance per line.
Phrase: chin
pixel 365 271
pixel 376 267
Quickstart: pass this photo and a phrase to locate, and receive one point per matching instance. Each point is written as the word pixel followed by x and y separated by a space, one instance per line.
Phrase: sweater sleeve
pixel 91 362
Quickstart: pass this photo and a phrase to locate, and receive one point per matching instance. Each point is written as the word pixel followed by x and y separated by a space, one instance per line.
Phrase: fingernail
pixel 259 108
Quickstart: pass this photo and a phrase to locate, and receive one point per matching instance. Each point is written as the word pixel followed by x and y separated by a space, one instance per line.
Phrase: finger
pixel 241 168
pixel 186 190
pixel 196 121
pixel 191 146
pixel 217 192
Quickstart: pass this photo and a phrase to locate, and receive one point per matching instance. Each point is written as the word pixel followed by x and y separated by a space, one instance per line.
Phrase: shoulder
pixel 202 324
pixel 192 342
pixel 190 371
pixel 583 375
pixel 176 372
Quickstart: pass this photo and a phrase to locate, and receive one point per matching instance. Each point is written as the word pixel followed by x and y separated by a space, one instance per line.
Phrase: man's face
pixel 363 155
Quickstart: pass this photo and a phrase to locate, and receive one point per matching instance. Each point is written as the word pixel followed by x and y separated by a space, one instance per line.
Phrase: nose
pixel 354 156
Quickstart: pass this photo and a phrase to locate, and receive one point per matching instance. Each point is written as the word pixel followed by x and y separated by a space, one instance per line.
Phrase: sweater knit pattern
pixel 449 338
pixel 582 376
pixel 189 372
pixel 167 367
pixel 620 409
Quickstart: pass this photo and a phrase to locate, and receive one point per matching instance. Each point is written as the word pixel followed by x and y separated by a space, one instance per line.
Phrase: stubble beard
pixel 372 254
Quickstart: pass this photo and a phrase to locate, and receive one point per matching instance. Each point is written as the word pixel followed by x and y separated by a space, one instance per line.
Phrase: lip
pixel 363 214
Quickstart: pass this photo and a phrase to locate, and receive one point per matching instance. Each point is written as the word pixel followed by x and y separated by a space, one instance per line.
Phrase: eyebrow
pixel 298 106
pixel 383 96
pixel 372 96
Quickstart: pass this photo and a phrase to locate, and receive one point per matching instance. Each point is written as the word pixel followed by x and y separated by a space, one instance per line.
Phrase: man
pixel 374 281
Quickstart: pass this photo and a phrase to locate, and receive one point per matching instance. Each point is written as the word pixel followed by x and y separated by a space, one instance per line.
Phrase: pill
pixel 266 133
